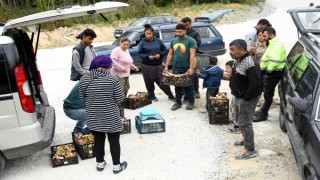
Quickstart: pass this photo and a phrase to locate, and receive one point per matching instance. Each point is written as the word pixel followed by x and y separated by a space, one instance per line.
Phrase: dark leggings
pixel 99 142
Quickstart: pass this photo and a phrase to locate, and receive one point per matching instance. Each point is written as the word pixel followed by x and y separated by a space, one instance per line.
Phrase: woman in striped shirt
pixel 102 93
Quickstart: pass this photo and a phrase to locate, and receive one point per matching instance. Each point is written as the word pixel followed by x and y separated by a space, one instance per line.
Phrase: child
pixel 226 76
pixel 228 70
pixel 211 78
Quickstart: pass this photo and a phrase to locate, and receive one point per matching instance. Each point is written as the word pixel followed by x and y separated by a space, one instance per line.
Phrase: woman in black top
pixel 151 50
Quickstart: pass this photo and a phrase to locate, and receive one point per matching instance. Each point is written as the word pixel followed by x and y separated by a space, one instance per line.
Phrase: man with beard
pixel 196 36
pixel 182 53
pixel 271 65
pixel 245 86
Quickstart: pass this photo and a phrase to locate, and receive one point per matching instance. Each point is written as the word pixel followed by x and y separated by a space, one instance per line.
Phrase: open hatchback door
pixel 213 15
pixel 307 20
pixel 64 13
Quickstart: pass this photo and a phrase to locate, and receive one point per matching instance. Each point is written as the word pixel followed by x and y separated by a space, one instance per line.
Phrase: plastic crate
pixel 135 103
pixel 150 126
pixel 85 151
pixel 126 123
pixel 219 117
pixel 63 161
pixel 183 81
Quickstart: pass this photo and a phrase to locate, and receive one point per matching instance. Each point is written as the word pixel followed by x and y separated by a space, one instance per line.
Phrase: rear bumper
pixel 27 140
pixel 215 52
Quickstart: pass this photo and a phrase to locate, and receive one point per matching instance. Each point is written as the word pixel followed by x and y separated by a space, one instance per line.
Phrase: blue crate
pixel 150 126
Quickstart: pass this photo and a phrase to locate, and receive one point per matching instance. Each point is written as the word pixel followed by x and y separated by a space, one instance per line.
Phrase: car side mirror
pixel 301 105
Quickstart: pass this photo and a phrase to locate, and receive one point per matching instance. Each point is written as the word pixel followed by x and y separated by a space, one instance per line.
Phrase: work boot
pixel 190 106
pixel 260 117
pixel 176 106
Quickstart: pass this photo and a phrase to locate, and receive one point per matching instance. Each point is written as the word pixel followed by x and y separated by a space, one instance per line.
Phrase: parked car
pixel 152 20
pixel 211 40
pixel 299 92
pixel 27 121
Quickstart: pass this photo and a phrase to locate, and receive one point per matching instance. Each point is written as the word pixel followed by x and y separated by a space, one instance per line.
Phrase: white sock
pixel 116 167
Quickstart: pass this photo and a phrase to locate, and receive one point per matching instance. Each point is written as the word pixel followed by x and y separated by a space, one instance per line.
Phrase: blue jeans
pixel 80 116
pixel 189 89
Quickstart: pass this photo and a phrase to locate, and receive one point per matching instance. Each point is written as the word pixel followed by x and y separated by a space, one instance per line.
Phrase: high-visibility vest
pixel 274 59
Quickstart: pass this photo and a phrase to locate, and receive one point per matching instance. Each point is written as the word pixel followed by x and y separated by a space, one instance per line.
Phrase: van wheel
pixel 2 162
pixel 281 123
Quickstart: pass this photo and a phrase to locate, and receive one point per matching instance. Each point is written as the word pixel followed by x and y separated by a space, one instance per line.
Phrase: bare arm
pixel 168 61
pixel 192 58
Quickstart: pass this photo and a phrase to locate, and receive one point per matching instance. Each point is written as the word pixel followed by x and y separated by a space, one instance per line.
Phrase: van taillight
pixel 39 74
pixel 24 89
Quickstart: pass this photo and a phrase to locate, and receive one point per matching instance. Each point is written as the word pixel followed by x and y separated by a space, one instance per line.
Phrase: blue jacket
pixel 211 76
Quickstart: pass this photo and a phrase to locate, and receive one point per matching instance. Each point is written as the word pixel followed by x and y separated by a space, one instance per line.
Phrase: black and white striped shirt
pixel 102 93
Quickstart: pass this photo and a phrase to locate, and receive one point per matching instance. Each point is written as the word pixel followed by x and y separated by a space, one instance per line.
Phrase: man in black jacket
pixel 245 86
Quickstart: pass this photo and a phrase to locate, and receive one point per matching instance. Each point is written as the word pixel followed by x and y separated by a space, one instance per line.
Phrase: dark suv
pixel 299 93
pixel 153 20
pixel 211 40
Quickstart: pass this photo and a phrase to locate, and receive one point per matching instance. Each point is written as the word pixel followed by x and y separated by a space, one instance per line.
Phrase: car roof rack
pixel 314 38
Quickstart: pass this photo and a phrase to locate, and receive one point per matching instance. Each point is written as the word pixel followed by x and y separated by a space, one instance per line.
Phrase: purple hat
pixel 103 61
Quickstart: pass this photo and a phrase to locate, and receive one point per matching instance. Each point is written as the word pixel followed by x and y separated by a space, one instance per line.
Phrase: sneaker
pixel 204 110
pixel 154 98
pixel 261 117
pixel 120 167
pixel 257 112
pixel 101 166
pixel 239 142
pixel 197 95
pixel 172 98
pixel 190 106
pixel 245 154
pixel 176 106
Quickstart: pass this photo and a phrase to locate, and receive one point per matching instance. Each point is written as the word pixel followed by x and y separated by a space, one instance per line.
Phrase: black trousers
pixel 151 75
pixel 269 87
pixel 99 142
pixel 196 83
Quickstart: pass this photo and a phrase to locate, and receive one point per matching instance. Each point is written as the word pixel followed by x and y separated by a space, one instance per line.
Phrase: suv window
pixel 294 55
pixel 307 83
pixel 157 21
pixel 169 20
pixel 299 67
pixel 205 32
pixel 4 82
pixel 167 35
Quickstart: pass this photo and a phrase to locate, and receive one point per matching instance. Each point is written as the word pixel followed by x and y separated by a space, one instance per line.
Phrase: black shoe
pixel 154 98
pixel 176 106
pixel 257 112
pixel 190 106
pixel 260 117
pixel 172 98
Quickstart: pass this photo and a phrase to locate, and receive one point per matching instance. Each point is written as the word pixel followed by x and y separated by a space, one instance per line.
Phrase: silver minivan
pixel 27 121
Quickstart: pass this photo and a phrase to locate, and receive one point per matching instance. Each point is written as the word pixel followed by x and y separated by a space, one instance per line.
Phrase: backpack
pixel 75 75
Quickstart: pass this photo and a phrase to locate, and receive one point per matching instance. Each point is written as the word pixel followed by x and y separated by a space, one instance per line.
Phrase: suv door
pixel 304 122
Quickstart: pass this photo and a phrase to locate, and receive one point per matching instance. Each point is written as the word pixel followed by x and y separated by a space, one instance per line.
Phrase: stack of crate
pixel 218 109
